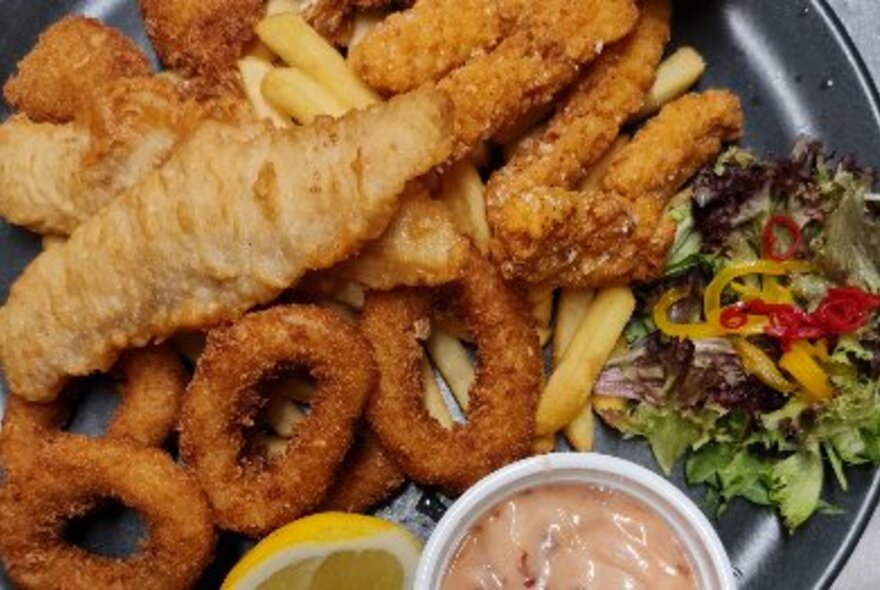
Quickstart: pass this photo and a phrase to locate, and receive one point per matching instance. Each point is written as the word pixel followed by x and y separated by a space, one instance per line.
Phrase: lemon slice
pixel 330 551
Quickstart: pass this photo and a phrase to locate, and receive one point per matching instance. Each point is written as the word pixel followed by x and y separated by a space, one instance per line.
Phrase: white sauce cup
pixel 707 555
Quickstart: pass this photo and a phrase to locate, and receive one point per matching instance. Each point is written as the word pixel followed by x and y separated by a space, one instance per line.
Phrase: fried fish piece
pixel 71 60
pixel 421 247
pixel 238 214
pixel 54 177
pixel 584 127
pixel 619 234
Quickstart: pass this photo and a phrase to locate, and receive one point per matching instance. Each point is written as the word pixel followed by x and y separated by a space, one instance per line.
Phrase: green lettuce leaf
pixel 796 486
pixel 848 248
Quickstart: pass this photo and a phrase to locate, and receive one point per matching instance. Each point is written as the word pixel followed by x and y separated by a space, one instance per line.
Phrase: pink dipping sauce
pixel 570 536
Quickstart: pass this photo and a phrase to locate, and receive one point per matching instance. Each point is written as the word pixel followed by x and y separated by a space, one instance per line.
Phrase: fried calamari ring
pixel 249 494
pixel 367 477
pixel 76 474
pixel 501 416
pixel 152 383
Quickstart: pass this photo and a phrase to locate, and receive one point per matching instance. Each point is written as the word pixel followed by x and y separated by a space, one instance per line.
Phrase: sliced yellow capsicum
pixel 800 364
pixel 758 363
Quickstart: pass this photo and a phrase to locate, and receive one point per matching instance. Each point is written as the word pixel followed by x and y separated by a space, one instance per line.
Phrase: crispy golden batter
pixel 618 234
pixel 54 177
pixel 367 477
pixel 503 398
pixel 73 59
pixel 201 38
pixel 585 126
pixel 72 476
pixel 253 496
pixel 430 40
pixel 529 68
pixel 421 247
pixel 238 214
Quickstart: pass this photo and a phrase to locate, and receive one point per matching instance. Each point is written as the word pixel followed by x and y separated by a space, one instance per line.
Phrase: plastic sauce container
pixel 707 556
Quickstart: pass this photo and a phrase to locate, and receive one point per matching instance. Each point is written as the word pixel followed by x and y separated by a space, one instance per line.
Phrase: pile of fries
pixel 294 75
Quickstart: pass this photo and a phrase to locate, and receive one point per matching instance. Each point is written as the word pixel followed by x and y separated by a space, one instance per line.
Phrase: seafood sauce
pixel 570 536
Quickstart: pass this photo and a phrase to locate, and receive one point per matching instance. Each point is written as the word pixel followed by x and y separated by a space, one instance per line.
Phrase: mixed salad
pixel 757 356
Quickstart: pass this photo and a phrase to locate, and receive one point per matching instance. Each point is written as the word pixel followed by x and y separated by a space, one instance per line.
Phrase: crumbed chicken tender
pixel 430 40
pixel 529 68
pixel 203 38
pixel 238 214
pixel 619 234
pixel 586 124
pixel 72 60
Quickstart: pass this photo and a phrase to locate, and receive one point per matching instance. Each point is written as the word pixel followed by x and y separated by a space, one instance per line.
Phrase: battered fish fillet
pixel 585 126
pixel 204 38
pixel 619 234
pixel 421 247
pixel 529 68
pixel 54 177
pixel 238 214
pixel 72 60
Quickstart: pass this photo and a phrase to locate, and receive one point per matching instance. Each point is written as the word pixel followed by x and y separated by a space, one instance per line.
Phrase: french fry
pixel 253 70
pixel 580 432
pixel 300 96
pixel 573 379
pixel 541 299
pixel 544 445
pixel 675 76
pixel 351 294
pixel 573 306
pixel 299 45
pixel 435 405
pixel 271 447
pixel 281 6
pixel 283 415
pixel 463 191
pixel 452 360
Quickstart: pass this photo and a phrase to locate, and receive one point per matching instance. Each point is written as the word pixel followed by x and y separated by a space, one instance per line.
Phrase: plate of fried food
pixel 438 294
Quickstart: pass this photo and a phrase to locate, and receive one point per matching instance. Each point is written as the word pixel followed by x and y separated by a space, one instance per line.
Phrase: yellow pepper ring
pixel 712 296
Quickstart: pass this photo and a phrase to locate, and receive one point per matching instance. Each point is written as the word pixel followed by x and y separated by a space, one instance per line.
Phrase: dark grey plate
pixel 797 72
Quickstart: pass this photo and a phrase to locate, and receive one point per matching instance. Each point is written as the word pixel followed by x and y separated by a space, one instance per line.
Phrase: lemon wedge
pixel 330 551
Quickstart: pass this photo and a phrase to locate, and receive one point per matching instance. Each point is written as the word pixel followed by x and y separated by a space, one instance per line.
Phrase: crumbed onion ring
pixel 152 383
pixel 75 473
pixel 248 494
pixel 501 416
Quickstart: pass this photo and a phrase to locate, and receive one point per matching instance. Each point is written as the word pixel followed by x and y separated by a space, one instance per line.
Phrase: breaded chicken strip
pixel 203 38
pixel 54 177
pixel 585 126
pixel 529 68
pixel 72 60
pixel 428 41
pixel 238 214
pixel 618 234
